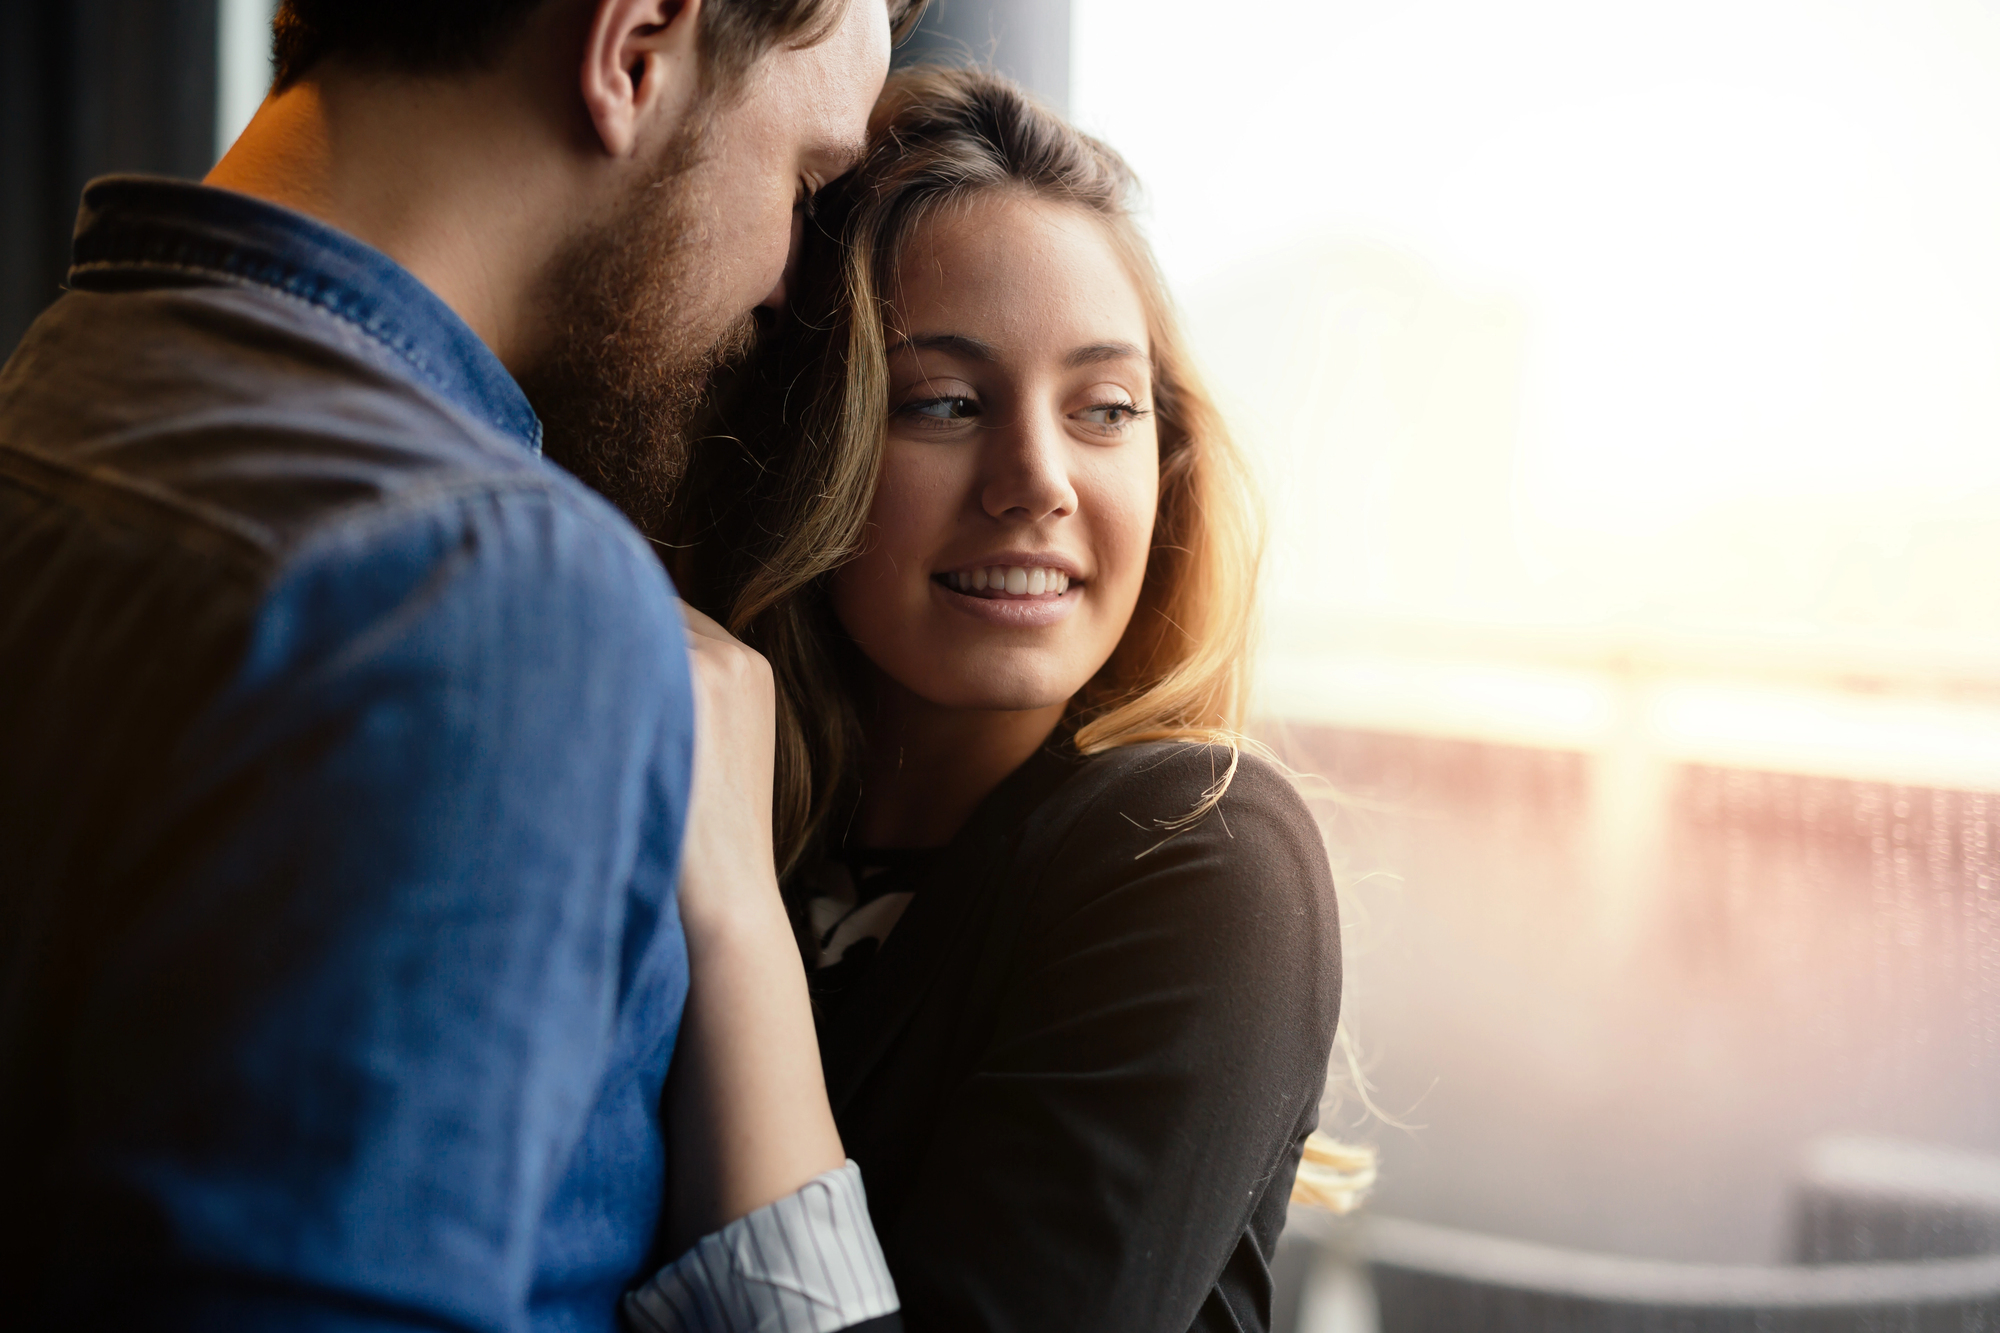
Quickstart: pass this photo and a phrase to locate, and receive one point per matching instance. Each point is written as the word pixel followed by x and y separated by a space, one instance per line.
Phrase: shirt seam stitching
pixel 407 355
pixel 364 517
pixel 259 539
pixel 240 280
pixel 373 516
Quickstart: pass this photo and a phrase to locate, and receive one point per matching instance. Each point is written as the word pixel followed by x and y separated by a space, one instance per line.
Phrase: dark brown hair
pixel 446 36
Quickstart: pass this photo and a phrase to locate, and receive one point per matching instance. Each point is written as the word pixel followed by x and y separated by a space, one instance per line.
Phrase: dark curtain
pixel 89 87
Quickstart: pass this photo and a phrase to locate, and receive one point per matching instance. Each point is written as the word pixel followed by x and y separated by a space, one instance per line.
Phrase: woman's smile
pixel 1012 596
pixel 999 580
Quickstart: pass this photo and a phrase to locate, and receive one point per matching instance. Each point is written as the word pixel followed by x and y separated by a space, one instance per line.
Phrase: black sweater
pixel 1078 1075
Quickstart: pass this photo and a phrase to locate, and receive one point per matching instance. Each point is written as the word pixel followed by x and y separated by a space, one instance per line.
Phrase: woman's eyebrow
pixel 957 344
pixel 1097 353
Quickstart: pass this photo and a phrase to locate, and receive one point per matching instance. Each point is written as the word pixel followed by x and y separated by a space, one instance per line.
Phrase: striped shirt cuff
pixel 808 1263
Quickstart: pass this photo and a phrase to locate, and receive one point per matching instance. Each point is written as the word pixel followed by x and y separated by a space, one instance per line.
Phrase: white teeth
pixel 1016 580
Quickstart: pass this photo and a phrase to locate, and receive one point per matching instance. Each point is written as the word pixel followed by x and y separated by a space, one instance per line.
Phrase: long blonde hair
pixel 778 497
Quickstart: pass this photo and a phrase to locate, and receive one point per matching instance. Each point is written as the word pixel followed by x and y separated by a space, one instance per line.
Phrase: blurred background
pixel 1626 384
pixel 1626 380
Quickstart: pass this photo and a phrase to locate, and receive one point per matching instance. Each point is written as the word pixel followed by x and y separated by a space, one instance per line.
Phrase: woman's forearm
pixel 748 1120
pixel 747 1102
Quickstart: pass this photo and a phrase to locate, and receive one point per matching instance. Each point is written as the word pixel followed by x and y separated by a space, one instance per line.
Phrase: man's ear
pixel 641 65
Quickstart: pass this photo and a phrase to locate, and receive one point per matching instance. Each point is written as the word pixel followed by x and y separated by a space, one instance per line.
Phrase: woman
pixel 1074 951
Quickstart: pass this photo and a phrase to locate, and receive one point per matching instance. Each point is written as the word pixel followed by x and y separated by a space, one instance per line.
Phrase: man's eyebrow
pixel 1098 353
pixel 955 344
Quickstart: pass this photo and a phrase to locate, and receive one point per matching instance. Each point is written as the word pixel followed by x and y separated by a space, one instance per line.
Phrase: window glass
pixel 1626 383
pixel 242 65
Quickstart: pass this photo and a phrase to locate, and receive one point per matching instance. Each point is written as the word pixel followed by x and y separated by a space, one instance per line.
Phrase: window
pixel 1626 380
pixel 242 65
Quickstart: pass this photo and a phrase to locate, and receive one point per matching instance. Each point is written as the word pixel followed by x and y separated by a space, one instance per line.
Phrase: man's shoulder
pixel 237 409
pixel 154 437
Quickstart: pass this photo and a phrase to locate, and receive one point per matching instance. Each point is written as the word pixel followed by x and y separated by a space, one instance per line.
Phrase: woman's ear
pixel 641 69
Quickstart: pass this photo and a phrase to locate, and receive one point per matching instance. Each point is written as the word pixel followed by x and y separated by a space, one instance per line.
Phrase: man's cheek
pixel 765 257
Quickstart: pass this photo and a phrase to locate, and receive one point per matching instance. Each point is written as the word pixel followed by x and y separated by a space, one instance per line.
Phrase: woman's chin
pixel 997 687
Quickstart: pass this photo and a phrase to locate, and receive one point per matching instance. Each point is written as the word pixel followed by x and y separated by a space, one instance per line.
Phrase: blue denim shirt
pixel 344 756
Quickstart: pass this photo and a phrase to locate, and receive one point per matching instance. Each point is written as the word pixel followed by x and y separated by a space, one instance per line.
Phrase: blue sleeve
pixel 333 1067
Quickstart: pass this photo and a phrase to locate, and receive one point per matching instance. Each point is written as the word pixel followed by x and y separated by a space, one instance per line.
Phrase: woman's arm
pixel 1155 1062
pixel 747 1103
pixel 758 1183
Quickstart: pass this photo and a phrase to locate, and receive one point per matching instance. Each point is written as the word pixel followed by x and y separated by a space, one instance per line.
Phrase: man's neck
pixel 927 768
pixel 459 180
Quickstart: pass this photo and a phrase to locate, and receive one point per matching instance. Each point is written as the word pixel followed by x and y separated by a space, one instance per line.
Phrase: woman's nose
pixel 1027 470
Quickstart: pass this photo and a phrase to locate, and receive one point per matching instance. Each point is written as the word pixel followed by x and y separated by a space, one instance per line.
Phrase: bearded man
pixel 347 893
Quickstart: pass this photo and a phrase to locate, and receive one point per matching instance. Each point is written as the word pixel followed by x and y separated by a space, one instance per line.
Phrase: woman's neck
pixel 926 768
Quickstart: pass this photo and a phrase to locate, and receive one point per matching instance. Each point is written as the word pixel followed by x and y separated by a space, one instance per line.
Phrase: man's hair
pixel 450 36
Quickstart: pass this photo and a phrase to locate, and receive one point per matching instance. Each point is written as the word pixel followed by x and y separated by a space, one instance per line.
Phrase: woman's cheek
pixel 1130 509
pixel 906 488
pixel 895 519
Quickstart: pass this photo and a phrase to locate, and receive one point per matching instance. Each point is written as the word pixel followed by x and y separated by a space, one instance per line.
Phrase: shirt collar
pixel 137 231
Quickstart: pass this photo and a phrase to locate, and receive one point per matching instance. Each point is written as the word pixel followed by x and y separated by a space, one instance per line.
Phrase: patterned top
pixel 853 904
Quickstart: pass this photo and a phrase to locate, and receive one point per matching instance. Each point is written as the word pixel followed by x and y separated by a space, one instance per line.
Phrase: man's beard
pixel 628 369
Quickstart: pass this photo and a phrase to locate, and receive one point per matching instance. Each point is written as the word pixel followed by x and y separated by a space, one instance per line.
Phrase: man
pixel 346 744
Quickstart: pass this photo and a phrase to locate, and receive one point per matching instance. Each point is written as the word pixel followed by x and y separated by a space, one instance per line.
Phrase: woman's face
pixel 1011 524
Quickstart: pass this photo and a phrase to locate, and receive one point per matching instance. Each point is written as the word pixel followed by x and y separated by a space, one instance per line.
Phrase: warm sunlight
pixel 1626 383
pixel 1554 313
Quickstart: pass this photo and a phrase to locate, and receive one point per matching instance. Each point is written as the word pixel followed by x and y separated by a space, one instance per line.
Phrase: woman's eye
pixel 1110 414
pixel 941 409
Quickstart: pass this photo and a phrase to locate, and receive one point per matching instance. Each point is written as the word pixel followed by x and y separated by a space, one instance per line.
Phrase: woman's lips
pixel 1007 580
pixel 995 605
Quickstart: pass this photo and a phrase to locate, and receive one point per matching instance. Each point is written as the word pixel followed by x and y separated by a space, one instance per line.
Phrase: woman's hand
pixel 726 861
pixel 748 1120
